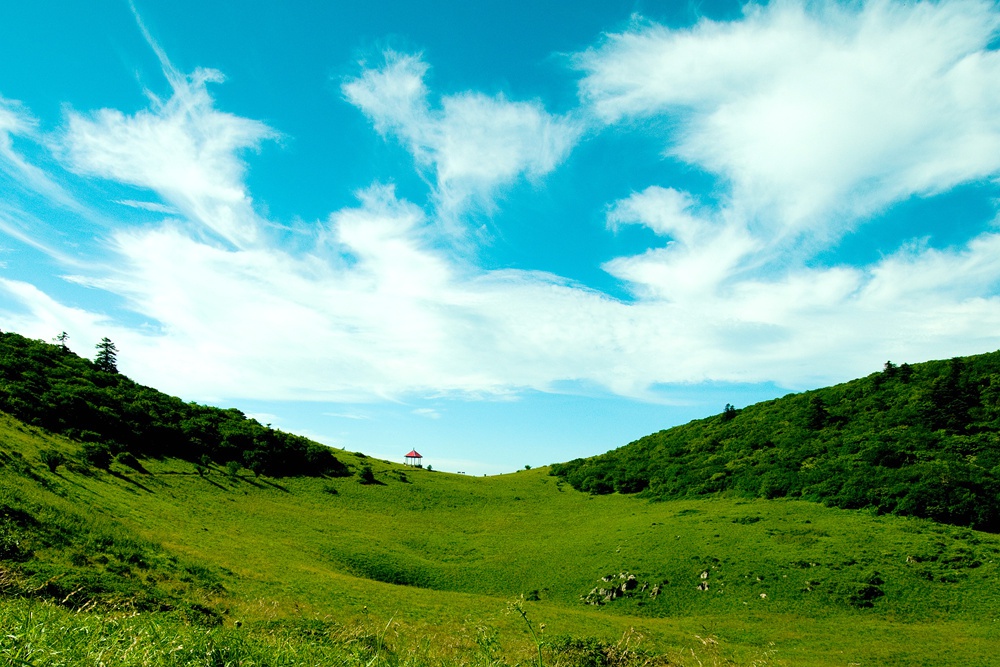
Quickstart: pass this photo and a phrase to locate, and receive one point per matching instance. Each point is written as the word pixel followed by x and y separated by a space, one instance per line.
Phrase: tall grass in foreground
pixel 37 633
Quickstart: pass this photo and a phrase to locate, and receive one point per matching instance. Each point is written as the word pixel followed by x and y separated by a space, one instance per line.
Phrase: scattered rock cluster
pixel 621 585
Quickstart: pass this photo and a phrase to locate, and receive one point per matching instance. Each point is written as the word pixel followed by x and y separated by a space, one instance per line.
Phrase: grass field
pixel 428 567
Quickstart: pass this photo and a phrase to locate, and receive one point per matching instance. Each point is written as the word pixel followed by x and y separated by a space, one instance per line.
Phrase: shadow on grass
pixel 275 485
pixel 215 484
pixel 252 481
pixel 126 478
pixel 137 466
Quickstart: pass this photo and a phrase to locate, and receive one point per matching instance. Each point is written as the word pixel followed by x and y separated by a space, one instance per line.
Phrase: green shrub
pixel 11 547
pixel 51 459
pixel 366 475
pixel 97 455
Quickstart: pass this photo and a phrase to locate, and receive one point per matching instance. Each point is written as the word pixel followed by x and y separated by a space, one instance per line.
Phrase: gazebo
pixel 413 459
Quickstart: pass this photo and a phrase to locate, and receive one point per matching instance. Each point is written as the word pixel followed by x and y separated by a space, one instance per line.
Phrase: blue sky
pixel 502 234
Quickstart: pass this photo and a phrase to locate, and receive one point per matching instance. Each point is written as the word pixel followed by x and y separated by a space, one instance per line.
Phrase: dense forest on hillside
pixel 51 387
pixel 921 440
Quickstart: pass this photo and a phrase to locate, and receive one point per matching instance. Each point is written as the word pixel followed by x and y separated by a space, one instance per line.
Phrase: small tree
pixel 233 469
pixel 366 475
pixel 61 339
pixel 729 412
pixel 254 462
pixel 905 373
pixel 817 415
pixel 107 356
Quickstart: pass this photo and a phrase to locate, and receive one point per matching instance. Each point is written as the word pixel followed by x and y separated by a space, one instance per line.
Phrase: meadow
pixel 164 561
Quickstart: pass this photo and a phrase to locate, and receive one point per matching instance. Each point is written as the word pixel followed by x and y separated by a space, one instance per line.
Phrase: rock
pixel 703 586
pixel 704 575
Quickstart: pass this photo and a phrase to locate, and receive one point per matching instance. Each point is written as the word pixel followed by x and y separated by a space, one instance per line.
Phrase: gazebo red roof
pixel 413 455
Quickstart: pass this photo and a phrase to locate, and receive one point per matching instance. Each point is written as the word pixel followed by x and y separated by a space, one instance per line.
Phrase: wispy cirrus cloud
pixel 474 144
pixel 155 207
pixel 17 121
pixel 815 114
pixel 182 148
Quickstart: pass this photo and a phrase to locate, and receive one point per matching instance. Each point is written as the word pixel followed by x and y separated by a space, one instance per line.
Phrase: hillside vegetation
pixel 921 440
pixel 49 386
pixel 161 560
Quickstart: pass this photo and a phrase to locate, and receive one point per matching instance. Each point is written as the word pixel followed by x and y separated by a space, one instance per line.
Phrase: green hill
pixel 921 440
pixel 49 386
pixel 155 559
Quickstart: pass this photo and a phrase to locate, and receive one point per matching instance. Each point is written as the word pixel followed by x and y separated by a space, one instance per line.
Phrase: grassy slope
pixel 290 550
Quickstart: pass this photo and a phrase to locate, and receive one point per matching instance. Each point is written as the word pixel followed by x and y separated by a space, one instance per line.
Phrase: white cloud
pixel 182 148
pixel 474 143
pixel 820 112
pixel 16 120
pixel 148 206
pixel 357 416
pixel 705 251
pixel 374 312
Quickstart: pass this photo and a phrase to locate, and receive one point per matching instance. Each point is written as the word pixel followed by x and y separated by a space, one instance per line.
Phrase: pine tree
pixel 818 414
pixel 107 356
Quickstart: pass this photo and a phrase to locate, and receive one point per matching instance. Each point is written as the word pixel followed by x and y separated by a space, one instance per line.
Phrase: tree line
pixel 90 401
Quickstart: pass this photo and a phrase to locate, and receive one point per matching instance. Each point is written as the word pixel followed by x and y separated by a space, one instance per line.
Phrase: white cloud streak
pixel 475 144
pixel 16 120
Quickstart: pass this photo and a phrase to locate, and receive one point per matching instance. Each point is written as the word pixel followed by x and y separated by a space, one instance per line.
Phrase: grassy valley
pixel 184 560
